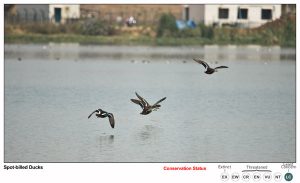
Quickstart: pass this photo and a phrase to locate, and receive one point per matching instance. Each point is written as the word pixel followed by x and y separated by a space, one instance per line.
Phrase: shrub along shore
pixel 280 32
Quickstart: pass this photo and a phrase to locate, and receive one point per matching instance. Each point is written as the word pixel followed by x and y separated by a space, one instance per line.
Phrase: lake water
pixel 245 113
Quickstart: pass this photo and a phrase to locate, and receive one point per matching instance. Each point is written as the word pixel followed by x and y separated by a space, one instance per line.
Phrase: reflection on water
pixel 242 114
pixel 148 134
pixel 105 142
pixel 106 139
pixel 77 52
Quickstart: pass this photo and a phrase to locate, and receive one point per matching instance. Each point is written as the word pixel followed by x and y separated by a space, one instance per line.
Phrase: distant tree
pixel 167 25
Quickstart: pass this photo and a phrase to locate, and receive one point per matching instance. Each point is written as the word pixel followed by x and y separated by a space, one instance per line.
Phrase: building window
pixel 223 13
pixel 187 13
pixel 266 14
pixel 242 13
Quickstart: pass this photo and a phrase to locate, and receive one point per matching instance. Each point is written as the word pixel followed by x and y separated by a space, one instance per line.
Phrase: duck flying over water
pixel 147 108
pixel 209 70
pixel 103 114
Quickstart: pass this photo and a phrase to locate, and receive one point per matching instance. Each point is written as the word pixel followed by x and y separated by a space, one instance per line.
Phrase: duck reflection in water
pixel 149 133
pixel 106 140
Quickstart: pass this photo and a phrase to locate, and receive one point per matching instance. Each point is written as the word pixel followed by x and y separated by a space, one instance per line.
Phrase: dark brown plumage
pixel 147 108
pixel 209 70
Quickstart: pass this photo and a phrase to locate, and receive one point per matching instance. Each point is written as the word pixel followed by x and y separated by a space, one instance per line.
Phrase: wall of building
pixel 196 12
pixel 254 14
pixel 67 12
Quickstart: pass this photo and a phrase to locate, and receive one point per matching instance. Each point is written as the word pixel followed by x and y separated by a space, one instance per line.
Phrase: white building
pixel 60 13
pixel 242 15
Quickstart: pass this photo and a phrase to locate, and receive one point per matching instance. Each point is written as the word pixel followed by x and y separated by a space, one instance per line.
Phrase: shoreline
pixel 126 40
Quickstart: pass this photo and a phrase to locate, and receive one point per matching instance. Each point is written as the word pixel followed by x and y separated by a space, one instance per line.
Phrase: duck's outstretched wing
pixel 221 67
pixel 156 104
pixel 201 62
pixel 92 114
pixel 111 119
pixel 138 102
pixel 145 103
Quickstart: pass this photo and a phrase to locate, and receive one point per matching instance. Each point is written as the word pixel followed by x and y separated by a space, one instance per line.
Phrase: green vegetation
pixel 167 26
pixel 104 40
pixel 280 32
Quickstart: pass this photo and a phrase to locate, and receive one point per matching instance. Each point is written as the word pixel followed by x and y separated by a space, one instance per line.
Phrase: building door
pixel 57 15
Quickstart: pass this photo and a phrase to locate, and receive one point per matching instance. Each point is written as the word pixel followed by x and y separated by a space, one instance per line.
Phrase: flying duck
pixel 209 70
pixel 147 108
pixel 103 114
